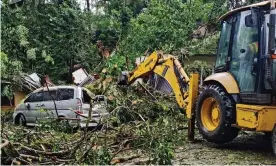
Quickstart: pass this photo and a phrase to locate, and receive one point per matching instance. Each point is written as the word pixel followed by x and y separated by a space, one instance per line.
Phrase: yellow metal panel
pixel 247 118
pixel 260 118
pixel 227 81
pixel 267 119
pixel 193 93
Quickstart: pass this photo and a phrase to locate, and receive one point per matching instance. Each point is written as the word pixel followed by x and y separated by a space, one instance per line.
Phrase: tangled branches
pixel 139 125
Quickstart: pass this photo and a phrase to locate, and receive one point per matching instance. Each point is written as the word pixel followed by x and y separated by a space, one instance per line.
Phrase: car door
pixel 48 104
pixel 25 108
pixel 33 106
pixel 66 102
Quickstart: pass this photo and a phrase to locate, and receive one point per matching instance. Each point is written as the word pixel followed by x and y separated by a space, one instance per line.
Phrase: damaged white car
pixel 66 102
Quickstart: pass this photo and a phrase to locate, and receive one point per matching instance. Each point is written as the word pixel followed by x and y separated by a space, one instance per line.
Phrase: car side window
pixel 65 94
pixel 38 97
pixel 30 98
pixel 35 97
pixel 47 95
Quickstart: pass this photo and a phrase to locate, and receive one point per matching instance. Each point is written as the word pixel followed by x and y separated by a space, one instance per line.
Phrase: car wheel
pixel 20 120
pixel 267 135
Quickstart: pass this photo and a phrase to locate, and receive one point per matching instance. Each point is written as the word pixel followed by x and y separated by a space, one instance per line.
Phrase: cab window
pixel 223 49
pixel 244 50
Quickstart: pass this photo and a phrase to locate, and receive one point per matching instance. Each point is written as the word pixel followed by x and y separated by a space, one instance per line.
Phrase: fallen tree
pixel 140 119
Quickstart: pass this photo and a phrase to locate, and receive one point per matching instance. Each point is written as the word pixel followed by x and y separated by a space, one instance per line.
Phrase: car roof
pixel 55 88
pixel 260 4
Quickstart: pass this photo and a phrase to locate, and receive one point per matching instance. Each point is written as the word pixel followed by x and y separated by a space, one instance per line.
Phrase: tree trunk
pixel 88 5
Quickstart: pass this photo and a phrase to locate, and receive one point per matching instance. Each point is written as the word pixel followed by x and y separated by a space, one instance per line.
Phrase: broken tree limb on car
pixel 5 143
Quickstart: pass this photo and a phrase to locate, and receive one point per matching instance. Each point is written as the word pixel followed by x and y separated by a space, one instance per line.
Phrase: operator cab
pixel 243 50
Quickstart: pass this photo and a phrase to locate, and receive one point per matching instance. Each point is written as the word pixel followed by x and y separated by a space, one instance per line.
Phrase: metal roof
pixel 260 4
pixel 55 88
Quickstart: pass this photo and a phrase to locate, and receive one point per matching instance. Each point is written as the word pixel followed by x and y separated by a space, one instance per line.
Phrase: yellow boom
pixel 171 70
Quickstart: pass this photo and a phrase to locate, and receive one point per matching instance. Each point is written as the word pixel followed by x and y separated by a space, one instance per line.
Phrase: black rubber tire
pixel 267 135
pixel 273 140
pixel 224 132
pixel 59 120
pixel 20 120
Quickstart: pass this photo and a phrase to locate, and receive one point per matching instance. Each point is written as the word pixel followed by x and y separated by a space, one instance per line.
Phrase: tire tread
pixel 225 132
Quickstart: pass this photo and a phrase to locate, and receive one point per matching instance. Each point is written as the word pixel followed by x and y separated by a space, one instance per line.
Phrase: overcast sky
pixel 83 5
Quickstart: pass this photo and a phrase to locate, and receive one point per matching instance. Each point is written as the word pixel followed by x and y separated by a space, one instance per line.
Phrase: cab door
pixel 33 107
pixel 224 43
pixel 245 51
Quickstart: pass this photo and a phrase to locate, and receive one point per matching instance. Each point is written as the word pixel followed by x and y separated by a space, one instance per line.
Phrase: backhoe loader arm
pixel 143 68
pixel 168 68
pixel 167 71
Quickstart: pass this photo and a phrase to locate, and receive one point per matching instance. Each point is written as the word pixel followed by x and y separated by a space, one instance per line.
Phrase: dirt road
pixel 247 148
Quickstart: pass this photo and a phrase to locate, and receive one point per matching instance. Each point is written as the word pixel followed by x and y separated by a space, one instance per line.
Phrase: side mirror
pixel 27 105
pixel 100 98
pixel 251 21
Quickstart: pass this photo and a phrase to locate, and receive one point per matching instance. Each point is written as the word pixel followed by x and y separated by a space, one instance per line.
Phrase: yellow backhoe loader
pixel 241 94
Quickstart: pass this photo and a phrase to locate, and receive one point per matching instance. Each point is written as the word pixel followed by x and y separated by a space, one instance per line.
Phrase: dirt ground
pixel 248 148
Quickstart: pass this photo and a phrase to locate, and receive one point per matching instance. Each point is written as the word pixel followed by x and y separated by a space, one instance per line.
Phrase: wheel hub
pixel 215 113
pixel 210 114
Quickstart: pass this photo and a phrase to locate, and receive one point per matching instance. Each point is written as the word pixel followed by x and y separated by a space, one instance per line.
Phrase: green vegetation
pixel 47 38
pixel 133 122
pixel 50 38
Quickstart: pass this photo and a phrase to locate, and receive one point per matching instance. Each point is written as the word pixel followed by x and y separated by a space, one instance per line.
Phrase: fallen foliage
pixel 137 121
